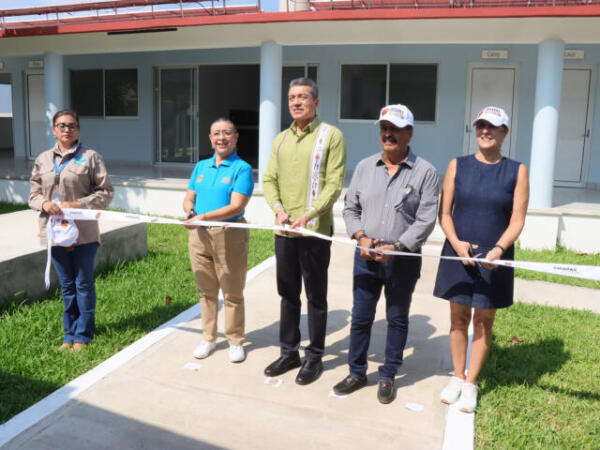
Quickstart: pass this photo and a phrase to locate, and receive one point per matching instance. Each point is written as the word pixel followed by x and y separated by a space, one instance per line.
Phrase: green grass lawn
pixel 545 392
pixel 130 303
pixel 6 207
pixel 563 256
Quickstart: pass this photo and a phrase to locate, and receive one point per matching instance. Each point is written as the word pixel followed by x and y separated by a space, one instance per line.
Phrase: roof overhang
pixel 515 25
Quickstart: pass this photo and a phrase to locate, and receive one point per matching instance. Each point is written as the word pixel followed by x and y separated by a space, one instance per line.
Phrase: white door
pixel 36 114
pixel 573 128
pixel 490 86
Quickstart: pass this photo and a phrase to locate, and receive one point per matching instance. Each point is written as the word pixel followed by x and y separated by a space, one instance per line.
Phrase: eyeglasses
pixel 226 133
pixel 63 126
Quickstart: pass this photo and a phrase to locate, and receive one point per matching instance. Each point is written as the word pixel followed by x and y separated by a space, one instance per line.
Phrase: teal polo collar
pixel 226 162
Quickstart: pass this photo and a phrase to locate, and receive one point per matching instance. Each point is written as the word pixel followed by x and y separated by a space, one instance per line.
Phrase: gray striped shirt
pixel 402 208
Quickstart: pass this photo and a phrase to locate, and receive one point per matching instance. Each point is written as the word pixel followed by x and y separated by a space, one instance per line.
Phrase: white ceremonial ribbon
pixel 570 270
pixel 65 236
pixel 48 254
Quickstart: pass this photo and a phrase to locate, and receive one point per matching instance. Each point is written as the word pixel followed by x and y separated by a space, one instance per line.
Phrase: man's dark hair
pixel 303 81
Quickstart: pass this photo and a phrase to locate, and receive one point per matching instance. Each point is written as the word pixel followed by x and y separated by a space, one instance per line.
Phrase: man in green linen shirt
pixel 302 182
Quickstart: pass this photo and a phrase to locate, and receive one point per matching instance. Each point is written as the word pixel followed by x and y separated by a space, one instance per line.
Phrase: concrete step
pixel 23 258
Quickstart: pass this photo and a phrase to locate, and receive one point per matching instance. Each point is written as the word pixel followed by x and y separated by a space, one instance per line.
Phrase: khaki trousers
pixel 219 259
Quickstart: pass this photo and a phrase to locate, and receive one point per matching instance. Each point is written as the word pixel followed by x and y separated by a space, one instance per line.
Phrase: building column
pixel 544 137
pixel 270 102
pixel 54 91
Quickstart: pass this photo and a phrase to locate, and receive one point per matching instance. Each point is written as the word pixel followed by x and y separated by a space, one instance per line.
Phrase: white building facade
pixel 148 88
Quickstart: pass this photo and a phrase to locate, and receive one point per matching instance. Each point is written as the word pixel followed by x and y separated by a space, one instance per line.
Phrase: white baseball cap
pixel 494 115
pixel 399 115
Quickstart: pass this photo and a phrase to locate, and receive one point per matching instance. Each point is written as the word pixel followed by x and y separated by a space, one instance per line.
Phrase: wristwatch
pixel 399 246
pixel 360 236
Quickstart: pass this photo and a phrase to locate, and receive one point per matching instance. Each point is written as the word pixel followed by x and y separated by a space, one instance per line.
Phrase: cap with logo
pixel 399 115
pixel 494 115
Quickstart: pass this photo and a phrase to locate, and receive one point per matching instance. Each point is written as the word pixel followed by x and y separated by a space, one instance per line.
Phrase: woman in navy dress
pixel 482 213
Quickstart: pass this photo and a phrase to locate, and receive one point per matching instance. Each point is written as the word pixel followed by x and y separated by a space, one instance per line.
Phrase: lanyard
pixel 59 169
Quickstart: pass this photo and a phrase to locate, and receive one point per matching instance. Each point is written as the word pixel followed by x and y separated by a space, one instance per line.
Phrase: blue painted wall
pixel 17 67
pixel 440 141
pixel 133 139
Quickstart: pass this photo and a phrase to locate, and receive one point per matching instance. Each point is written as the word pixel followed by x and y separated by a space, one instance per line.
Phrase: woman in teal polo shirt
pixel 219 190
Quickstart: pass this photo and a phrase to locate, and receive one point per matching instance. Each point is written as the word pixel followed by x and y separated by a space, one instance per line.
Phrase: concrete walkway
pixel 154 402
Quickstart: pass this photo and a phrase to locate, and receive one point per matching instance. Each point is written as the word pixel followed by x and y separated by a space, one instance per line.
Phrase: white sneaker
pixel 204 349
pixel 451 392
pixel 468 398
pixel 236 353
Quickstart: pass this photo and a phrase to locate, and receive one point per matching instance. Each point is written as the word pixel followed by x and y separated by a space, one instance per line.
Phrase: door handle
pixel 587 133
pixel 467 129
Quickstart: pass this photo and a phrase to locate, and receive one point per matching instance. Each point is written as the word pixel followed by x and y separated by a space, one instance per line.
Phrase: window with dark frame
pixel 105 93
pixel 121 92
pixel 364 87
pixel 87 92
pixel 414 85
pixel 363 90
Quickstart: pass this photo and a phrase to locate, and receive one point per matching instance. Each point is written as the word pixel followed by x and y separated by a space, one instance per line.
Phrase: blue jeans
pixel 75 270
pixel 398 277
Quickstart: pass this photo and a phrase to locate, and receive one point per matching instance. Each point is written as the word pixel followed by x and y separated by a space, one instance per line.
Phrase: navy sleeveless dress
pixel 483 202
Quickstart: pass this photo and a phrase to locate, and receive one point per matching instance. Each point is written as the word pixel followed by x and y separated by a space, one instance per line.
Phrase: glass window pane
pixel 363 91
pixel 176 115
pixel 36 108
pixel 312 73
pixel 121 92
pixel 288 74
pixel 230 91
pixel 6 117
pixel 86 92
pixel 415 86
pixel 5 98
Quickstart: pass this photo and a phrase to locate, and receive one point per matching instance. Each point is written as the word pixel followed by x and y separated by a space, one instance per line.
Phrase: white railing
pixel 114 10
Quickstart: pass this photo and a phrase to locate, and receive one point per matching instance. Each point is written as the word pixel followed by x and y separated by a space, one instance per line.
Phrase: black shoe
pixel 349 385
pixel 310 371
pixel 282 365
pixel 386 391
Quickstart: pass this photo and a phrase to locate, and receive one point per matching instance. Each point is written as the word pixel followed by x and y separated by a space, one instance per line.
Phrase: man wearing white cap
pixel 391 204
